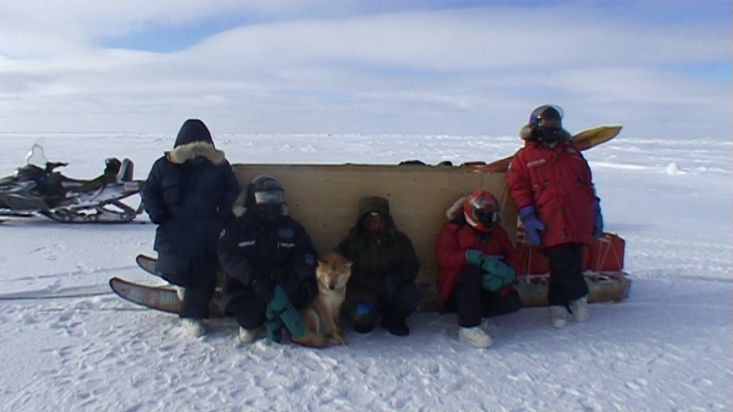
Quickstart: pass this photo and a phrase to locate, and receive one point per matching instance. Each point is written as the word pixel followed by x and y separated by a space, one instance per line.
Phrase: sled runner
pixel 604 287
pixel 36 189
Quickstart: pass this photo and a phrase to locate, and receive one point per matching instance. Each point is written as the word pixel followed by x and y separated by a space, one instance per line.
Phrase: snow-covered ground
pixel 69 344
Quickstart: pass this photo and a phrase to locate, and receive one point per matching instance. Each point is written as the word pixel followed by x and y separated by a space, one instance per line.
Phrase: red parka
pixel 558 182
pixel 455 239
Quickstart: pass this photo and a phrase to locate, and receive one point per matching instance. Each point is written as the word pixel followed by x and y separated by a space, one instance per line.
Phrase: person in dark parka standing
pixel 189 194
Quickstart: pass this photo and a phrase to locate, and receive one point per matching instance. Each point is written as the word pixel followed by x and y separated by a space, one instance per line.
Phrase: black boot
pixel 363 327
pixel 396 326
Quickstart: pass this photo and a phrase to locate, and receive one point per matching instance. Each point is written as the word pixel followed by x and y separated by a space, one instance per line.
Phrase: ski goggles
pixel 269 197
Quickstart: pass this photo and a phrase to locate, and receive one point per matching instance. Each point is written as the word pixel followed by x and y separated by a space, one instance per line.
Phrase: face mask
pixel 270 211
pixel 548 134
pixel 373 224
pixel 485 218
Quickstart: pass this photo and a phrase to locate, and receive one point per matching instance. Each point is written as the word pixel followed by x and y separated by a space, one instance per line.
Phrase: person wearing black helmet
pixel 189 194
pixel 384 269
pixel 552 187
pixel 269 261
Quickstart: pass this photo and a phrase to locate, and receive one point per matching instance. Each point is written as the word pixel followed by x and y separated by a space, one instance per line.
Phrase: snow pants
pixel 567 282
pixel 472 302
pixel 197 296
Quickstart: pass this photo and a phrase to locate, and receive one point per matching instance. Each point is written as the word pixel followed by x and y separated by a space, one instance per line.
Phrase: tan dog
pixel 321 317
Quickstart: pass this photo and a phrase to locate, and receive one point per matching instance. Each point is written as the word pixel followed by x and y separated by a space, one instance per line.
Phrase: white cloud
pixel 447 71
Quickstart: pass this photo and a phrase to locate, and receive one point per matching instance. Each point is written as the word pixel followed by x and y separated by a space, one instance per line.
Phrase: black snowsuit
pixel 252 247
pixel 384 267
pixel 189 194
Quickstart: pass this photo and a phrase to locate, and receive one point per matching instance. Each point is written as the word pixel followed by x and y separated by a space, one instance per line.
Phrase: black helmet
pixel 549 132
pixel 265 196
pixel 546 111
pixel 265 189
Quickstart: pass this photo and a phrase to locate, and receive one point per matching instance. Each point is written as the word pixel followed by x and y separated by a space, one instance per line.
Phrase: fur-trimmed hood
pixel 180 154
pixel 456 209
pixel 193 130
pixel 526 133
pixel 455 212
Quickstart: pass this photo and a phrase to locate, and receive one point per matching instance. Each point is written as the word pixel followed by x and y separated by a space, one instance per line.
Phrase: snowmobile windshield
pixel 36 157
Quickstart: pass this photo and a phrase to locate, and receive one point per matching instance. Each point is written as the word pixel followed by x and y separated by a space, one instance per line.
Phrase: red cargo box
pixel 606 254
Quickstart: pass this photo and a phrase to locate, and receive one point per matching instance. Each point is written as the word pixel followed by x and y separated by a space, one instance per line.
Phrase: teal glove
pixel 474 257
pixel 491 282
pixel 495 266
pixel 273 325
pixel 280 311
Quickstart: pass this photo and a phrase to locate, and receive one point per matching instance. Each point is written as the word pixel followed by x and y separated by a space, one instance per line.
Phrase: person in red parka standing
pixel 551 185
pixel 476 259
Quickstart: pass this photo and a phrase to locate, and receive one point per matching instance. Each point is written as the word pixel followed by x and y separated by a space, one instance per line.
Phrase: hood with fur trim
pixel 455 212
pixel 193 130
pixel 526 134
pixel 188 151
pixel 456 209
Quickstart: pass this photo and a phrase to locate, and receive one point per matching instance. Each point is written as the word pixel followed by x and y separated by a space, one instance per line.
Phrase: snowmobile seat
pixel 125 173
pixel 112 166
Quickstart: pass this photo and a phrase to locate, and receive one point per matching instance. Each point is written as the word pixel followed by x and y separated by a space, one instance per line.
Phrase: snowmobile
pixel 36 189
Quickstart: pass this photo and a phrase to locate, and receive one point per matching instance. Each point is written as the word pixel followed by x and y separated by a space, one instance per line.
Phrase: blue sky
pixel 661 68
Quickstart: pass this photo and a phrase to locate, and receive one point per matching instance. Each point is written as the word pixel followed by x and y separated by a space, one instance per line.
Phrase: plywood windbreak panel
pixel 325 199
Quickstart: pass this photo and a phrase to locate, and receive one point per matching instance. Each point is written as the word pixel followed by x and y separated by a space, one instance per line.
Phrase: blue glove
pixel 364 309
pixel 532 225
pixel 364 317
pixel 495 266
pixel 597 218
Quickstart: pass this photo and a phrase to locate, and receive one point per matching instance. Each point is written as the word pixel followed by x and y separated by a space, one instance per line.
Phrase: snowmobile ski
pixel 147 263
pixel 162 298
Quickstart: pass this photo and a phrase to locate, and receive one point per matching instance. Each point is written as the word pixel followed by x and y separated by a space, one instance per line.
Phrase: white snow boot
pixel 486 326
pixel 475 337
pixel 246 335
pixel 580 309
pixel 558 316
pixel 195 327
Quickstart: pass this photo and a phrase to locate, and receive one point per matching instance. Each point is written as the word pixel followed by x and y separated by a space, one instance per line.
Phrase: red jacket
pixel 454 240
pixel 558 182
